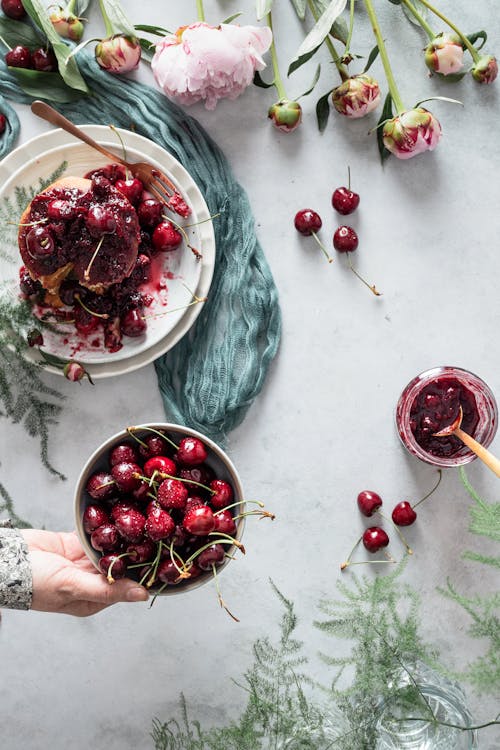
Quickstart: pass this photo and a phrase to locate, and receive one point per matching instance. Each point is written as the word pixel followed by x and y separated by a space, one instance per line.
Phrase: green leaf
pixel 17 32
pixel 157 30
pixel 81 7
pixel 439 99
pixel 258 81
pixel 232 18
pixel 300 8
pixel 323 111
pixel 395 2
pixel 148 48
pixel 119 21
pixel 300 61
pixel 477 35
pixel 371 58
pixel 322 27
pixel 387 114
pixel 68 69
pixel 340 30
pixel 50 86
pixel 420 8
pixel 263 7
pixel 313 84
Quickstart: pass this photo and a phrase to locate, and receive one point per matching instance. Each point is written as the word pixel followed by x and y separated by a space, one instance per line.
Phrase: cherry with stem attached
pixel 308 222
pixel 345 240
pixel 345 200
pixel 404 513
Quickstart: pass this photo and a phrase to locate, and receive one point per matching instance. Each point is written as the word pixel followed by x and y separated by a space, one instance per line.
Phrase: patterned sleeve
pixel 15 569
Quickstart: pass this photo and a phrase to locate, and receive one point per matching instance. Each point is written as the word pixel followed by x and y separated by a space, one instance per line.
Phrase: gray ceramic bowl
pixel 217 459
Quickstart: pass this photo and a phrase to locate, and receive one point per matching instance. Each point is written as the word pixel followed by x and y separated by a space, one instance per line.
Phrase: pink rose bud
pixel 444 54
pixel 119 53
pixel 357 96
pixel 485 70
pixel 67 25
pixel 74 371
pixel 286 115
pixel 411 133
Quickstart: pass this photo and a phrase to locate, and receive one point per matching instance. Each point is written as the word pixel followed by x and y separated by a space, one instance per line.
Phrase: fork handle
pixel 481 452
pixel 48 113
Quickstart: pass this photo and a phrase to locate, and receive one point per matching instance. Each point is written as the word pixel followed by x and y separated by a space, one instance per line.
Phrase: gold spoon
pixel 491 461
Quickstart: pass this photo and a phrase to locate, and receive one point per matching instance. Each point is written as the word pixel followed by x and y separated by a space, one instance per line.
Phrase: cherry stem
pixel 195 301
pixel 183 572
pixel 163 476
pixel 29 223
pixel 195 554
pixel 220 535
pixel 261 513
pixel 118 557
pixel 219 595
pixel 401 536
pixel 242 502
pixel 184 234
pixel 371 287
pixel 86 273
pixel 431 492
pixel 368 562
pixel 328 257
pixel 348 177
pixel 105 316
pixel 345 564
pixel 157 594
pixel 156 432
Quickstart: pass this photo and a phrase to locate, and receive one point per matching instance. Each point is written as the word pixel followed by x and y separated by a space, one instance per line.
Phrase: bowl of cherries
pixel 161 504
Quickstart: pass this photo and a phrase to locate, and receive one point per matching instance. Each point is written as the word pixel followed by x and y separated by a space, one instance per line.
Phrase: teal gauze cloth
pixel 213 374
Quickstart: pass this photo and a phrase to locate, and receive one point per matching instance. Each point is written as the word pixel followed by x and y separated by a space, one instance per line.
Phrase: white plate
pixel 37 160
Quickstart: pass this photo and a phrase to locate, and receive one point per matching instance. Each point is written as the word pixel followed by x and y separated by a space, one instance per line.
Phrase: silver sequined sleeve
pixel 15 569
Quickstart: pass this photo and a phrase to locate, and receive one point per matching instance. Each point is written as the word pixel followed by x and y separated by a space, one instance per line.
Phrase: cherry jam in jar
pixel 431 402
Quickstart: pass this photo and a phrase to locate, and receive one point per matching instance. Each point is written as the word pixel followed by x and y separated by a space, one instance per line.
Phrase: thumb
pixel 95 588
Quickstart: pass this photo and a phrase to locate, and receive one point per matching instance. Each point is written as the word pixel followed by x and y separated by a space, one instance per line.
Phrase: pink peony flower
pixel 445 54
pixel 357 96
pixel 119 53
pixel 485 70
pixel 202 62
pixel 411 133
pixel 286 115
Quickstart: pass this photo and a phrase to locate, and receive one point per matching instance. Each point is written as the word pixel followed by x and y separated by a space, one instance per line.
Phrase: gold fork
pixel 152 178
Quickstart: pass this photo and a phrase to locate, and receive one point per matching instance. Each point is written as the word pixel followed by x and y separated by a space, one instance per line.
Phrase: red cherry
pixel 159 524
pixel 125 477
pixel 172 494
pixel 105 538
pixel 131 189
pixel 149 212
pixel 39 242
pixel 3 123
pixel 224 522
pixel 213 555
pixel 159 463
pixel 154 445
pixel 141 552
pixel 369 502
pixel 113 567
pixel 100 220
pixel 19 57
pixel 191 451
pixel 85 323
pixel 44 60
pixel 223 493
pixel 130 525
pixel 122 506
pixel 199 521
pixel 94 516
pixel 101 486
pixel 165 237
pixel 375 538
pixel 403 514
pixel 168 572
pixel 345 201
pixel 194 502
pixel 132 323
pixel 123 452
pixel 307 221
pixel 13 9
pixel 345 240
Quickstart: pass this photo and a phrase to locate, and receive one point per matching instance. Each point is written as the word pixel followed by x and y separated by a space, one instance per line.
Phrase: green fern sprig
pixel 8 506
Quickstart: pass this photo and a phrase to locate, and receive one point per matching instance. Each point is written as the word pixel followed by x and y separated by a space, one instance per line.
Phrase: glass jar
pixel 477 392
pixel 447 701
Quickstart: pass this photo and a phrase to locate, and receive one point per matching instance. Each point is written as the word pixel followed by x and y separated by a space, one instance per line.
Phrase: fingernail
pixel 137 594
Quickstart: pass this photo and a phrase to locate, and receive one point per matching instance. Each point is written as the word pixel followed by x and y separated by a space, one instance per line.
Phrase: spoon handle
pixel 491 461
pixel 48 113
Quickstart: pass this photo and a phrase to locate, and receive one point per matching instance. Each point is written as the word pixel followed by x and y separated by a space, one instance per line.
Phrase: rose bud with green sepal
pixel 357 96
pixel 66 24
pixel 485 70
pixel 444 54
pixel 119 53
pixel 411 133
pixel 286 115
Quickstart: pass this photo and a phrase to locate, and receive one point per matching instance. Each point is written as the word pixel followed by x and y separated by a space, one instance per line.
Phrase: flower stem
pixel 396 98
pixel 351 27
pixel 421 20
pixel 278 82
pixel 107 23
pixel 200 11
pixel 343 72
pixel 475 54
pixel 70 8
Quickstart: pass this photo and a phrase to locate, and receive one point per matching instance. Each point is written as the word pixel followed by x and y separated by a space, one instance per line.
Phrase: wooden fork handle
pixel 491 461
pixel 48 113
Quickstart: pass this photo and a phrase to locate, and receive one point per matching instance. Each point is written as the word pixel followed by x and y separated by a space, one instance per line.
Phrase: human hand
pixel 65 581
